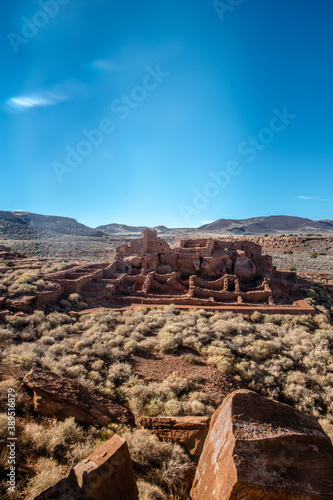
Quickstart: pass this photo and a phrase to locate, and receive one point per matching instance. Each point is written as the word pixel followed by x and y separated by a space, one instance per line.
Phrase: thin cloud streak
pixel 61 92
pixel 301 197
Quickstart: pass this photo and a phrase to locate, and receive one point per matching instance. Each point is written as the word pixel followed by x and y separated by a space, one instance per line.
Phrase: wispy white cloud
pixel 64 91
pixel 102 65
pixel 206 221
pixel 301 197
pixel 22 103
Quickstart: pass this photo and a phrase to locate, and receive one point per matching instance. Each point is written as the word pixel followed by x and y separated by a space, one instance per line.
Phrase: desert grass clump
pixel 168 341
pixel 55 441
pixel 49 472
pixel 56 319
pixel 149 491
pixel 22 398
pixel 219 356
pixel 163 464
pixel 80 450
pixel 173 396
pixel 6 336
pixel 119 373
pixel 3 426
pixel 21 355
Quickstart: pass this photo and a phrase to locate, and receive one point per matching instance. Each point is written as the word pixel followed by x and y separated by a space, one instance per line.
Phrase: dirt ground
pixel 157 367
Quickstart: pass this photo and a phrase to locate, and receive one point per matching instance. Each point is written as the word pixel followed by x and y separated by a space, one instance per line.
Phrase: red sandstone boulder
pixel 189 432
pixel 261 449
pixel 107 473
pixel 62 490
pixel 61 397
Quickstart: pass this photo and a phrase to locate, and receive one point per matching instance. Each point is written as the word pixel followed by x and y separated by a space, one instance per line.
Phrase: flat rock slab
pixel 257 448
pixel 189 432
pixel 62 397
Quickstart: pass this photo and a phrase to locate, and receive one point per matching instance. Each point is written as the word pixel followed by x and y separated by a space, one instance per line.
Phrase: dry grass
pixel 149 491
pixel 288 358
pixel 303 262
pixel 49 472
pixel 284 357
pixel 22 398
pixel 54 442
pixel 160 463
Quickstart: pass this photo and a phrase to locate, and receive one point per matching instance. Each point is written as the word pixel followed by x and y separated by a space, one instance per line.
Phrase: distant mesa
pixel 123 228
pixel 274 224
pixel 29 226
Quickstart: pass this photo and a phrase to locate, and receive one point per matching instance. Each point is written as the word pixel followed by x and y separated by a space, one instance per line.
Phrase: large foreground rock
pixel 189 432
pixel 107 474
pixel 61 397
pixel 261 449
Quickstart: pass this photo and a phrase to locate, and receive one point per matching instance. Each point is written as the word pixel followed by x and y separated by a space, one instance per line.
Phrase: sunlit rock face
pixel 257 448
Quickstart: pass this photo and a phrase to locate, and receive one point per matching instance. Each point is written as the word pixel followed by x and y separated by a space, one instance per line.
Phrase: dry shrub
pixel 220 356
pixel 119 373
pixel 168 341
pixel 5 338
pixel 49 472
pixel 149 491
pixel 164 464
pixel 79 451
pixel 22 398
pixel 54 441
pixel 56 319
pixel 264 351
pixel 3 425
pixel 173 396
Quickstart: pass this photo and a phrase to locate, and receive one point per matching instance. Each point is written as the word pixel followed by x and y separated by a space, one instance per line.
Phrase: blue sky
pixel 167 113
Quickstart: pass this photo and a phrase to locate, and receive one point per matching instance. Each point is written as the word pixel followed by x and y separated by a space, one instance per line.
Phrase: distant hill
pixel 124 229
pixel 29 226
pixel 274 224
pixel 120 228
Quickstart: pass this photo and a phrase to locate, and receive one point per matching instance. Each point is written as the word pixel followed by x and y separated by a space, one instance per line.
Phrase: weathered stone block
pixel 189 432
pixel 61 397
pixel 261 449
pixel 106 474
